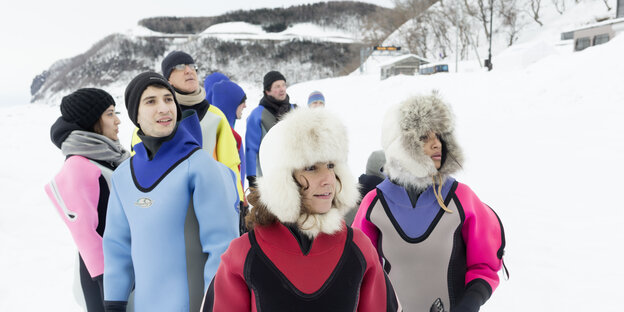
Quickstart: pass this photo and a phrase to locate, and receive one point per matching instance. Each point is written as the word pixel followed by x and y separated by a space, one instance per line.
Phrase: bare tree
pixel 606 2
pixel 535 8
pixel 508 10
pixel 480 11
pixel 559 5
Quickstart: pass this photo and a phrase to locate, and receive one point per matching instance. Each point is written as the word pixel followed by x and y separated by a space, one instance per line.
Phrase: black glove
pixel 242 228
pixel 477 293
pixel 115 306
pixel 252 181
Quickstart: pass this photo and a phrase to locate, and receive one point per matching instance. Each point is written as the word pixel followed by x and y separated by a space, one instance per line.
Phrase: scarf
pixel 190 99
pixel 277 108
pixel 94 146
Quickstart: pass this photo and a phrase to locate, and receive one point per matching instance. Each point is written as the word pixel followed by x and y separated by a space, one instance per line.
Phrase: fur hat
pixel 85 106
pixel 270 78
pixel 303 138
pixel 402 128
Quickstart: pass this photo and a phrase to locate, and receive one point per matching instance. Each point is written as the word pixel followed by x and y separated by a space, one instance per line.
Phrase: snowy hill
pixel 307 48
pixel 544 147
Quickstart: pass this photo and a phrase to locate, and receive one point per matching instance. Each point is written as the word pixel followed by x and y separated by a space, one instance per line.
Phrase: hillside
pixel 542 135
pixel 334 50
pixel 334 14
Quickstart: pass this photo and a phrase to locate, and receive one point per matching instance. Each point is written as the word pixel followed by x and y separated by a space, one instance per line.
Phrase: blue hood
pixel 186 140
pixel 227 95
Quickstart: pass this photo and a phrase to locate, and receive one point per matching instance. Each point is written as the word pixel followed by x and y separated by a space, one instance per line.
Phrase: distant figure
pixel 210 81
pixel 299 255
pixel 172 207
pixel 440 245
pixel 369 180
pixel 316 99
pixel 86 134
pixel 273 105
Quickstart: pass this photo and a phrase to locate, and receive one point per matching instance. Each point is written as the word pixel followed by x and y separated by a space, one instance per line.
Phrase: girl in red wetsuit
pixel 299 255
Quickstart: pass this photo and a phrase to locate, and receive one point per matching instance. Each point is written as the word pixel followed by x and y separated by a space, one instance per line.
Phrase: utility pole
pixel 489 61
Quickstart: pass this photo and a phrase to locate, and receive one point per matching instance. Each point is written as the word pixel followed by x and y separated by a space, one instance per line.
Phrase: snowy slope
pixel 302 31
pixel 544 148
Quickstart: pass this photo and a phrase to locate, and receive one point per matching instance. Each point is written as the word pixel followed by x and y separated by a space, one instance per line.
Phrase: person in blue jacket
pixel 273 105
pixel 171 211
pixel 230 98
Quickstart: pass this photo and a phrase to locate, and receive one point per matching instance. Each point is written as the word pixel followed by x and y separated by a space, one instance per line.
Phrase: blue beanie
pixel 210 81
pixel 227 95
pixel 316 96
pixel 172 59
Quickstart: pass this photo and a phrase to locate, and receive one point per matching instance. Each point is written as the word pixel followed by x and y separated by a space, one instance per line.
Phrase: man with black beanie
pixel 273 105
pixel 172 209
pixel 180 71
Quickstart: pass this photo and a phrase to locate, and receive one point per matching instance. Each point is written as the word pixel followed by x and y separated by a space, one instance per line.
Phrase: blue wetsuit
pixel 169 220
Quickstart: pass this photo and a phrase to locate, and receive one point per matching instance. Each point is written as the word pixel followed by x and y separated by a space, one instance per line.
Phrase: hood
pixel 227 95
pixel 404 125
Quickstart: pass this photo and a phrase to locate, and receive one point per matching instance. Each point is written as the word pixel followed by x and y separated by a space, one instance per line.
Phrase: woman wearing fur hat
pixel 86 133
pixel 299 255
pixel 438 242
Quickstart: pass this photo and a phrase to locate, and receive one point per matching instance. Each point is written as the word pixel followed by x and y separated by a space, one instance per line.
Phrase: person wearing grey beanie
pixel 370 179
pixel 173 209
pixel 86 134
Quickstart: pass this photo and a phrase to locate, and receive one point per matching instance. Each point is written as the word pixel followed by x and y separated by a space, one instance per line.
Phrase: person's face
pixel 433 148
pixel 157 112
pixel 184 78
pixel 239 110
pixel 278 90
pixel 108 124
pixel 319 186
pixel 317 104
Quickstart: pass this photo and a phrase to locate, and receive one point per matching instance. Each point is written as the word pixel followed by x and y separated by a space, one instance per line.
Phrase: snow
pixel 542 135
pixel 301 31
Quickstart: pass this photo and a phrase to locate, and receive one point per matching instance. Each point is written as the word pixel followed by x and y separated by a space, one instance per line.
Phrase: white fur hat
pixel 302 138
pixel 404 125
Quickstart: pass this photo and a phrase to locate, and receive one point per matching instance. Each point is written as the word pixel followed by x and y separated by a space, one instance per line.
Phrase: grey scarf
pixel 94 146
pixel 192 98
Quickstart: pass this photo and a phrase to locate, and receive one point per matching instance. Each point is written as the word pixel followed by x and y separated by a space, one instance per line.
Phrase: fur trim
pixel 301 139
pixel 402 129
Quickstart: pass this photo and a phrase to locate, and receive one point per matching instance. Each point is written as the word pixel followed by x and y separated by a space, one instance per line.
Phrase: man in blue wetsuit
pixel 273 105
pixel 172 208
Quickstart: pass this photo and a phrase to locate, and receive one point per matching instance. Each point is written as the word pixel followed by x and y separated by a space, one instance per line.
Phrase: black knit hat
pixel 172 59
pixel 85 106
pixel 135 89
pixel 272 77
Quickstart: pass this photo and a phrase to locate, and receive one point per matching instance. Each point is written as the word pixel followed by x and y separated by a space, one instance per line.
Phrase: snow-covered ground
pixel 544 147
pixel 303 31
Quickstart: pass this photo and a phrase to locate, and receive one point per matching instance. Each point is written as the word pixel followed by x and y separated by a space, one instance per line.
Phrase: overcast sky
pixel 35 34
